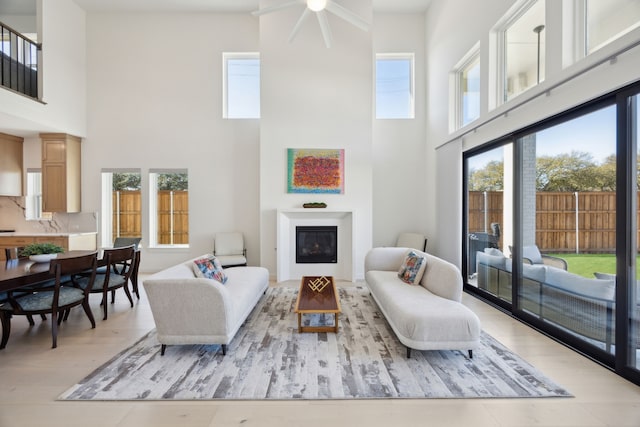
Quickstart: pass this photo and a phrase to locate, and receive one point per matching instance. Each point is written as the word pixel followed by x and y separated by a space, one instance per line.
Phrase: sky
pixel 594 133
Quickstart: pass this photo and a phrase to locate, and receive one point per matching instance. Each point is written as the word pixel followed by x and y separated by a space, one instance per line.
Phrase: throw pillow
pixel 412 268
pixel 209 267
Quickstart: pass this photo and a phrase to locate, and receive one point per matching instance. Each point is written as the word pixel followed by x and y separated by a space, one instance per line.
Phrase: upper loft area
pixel 19 47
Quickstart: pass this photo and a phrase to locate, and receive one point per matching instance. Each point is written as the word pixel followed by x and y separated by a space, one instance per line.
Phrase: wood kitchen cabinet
pixel 10 165
pixel 60 172
pixel 72 242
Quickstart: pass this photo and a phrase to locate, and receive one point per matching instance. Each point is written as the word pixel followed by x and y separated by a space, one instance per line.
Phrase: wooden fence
pixel 560 227
pixel 173 216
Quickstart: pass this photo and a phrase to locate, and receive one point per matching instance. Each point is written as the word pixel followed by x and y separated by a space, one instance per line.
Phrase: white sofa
pixel 428 315
pixel 192 310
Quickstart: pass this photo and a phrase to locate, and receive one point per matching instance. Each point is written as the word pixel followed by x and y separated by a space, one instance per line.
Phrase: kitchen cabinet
pixel 70 242
pixel 60 172
pixel 10 165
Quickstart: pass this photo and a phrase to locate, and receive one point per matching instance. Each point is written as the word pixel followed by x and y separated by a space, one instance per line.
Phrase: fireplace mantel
pixel 288 219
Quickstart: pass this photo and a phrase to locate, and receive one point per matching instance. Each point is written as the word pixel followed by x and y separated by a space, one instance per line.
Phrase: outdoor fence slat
pixel 555 219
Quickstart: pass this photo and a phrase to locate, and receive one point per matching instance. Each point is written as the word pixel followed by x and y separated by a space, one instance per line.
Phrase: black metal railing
pixel 19 63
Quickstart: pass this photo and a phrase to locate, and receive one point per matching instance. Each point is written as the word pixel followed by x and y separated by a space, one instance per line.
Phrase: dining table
pixel 17 273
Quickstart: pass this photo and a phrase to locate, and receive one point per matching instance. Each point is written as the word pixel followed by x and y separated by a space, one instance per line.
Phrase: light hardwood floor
pixel 32 375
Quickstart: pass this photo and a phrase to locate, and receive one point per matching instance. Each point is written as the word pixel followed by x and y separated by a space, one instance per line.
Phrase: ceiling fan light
pixel 316 5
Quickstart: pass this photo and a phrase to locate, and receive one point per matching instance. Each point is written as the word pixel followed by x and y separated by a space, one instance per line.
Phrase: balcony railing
pixel 19 64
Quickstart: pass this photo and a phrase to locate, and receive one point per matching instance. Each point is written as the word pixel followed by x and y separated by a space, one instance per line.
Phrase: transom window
pixel 521 39
pixel 241 85
pixel 608 20
pixel 395 89
pixel 466 89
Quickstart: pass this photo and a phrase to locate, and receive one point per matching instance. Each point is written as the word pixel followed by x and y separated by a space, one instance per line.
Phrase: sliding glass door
pixel 567 244
pixel 489 216
pixel 551 227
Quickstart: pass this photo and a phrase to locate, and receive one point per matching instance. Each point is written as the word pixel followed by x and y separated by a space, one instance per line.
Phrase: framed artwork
pixel 315 170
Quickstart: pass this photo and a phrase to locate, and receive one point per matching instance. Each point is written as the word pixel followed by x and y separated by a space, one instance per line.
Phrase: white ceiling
pixel 28 7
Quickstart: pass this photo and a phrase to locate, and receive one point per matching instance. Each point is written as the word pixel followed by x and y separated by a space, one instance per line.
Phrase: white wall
pixel 63 64
pixel 314 97
pixel 403 183
pixel 155 101
pixel 450 34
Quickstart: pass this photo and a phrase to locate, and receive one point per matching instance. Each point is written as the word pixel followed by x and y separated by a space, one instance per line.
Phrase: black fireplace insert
pixel 316 245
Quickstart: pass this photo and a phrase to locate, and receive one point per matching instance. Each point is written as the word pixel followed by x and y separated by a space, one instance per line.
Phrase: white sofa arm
pixel 442 278
pixel 189 307
pixel 384 259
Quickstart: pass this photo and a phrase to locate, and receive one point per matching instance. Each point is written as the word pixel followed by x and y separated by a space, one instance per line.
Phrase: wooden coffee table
pixel 317 295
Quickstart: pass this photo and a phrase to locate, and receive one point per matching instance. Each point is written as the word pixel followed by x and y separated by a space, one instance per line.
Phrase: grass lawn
pixel 586 264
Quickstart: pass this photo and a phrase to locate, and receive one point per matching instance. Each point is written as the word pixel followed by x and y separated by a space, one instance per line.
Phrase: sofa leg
pixel 408 352
pixel 470 354
pixel 224 349
pixel 162 349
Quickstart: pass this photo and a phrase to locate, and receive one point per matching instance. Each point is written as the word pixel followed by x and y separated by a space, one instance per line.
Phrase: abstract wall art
pixel 315 170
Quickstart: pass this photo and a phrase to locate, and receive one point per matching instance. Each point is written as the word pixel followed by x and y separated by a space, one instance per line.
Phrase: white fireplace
pixel 289 219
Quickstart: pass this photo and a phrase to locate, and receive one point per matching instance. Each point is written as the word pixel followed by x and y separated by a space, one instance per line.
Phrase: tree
pixel 126 181
pixel 491 178
pixel 576 171
pixel 173 181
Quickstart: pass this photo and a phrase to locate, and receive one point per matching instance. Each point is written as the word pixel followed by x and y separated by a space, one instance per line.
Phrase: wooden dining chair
pixel 119 265
pixel 14 253
pixel 54 300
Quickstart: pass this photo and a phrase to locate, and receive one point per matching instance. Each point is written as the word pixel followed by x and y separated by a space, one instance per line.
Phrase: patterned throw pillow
pixel 412 268
pixel 209 267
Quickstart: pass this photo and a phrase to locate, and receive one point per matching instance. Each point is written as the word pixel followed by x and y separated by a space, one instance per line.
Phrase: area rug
pixel 269 359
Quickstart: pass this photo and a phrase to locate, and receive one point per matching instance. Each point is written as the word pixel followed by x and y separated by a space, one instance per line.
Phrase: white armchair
pixel 229 248
pixel 412 240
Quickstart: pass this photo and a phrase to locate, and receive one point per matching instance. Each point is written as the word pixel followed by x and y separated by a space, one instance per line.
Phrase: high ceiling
pixel 27 7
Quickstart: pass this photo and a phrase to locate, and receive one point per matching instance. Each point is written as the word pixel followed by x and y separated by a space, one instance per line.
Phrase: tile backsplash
pixel 12 217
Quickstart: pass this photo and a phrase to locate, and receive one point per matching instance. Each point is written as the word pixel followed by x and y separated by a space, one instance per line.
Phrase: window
pixel 121 204
pixel 169 208
pixel 521 49
pixel 241 85
pixel 466 89
pixel 395 86
pixel 609 20
pixel 33 199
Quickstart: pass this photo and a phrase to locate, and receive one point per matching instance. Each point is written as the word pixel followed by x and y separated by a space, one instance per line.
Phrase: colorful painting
pixel 315 171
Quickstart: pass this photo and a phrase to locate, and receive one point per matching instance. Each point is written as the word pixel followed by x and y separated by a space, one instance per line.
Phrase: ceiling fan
pixel 320 8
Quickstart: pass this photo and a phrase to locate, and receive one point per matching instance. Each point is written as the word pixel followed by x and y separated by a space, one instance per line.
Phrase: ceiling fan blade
pixel 347 15
pixel 298 25
pixel 277 7
pixel 324 27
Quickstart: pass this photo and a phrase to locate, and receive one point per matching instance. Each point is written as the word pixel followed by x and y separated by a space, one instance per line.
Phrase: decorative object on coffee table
pixel 318 295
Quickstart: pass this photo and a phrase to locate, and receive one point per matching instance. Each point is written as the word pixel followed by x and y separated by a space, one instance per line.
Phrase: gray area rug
pixel 269 359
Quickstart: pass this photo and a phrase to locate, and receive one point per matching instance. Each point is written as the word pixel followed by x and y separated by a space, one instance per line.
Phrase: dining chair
pixel 120 242
pixel 135 241
pixel 14 253
pixel 119 265
pixel 54 300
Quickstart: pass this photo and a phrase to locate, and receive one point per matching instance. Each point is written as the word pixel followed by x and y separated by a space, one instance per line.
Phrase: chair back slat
pixel 13 253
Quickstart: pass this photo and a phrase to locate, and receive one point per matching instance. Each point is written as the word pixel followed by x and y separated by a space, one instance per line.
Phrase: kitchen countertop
pixel 54 234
